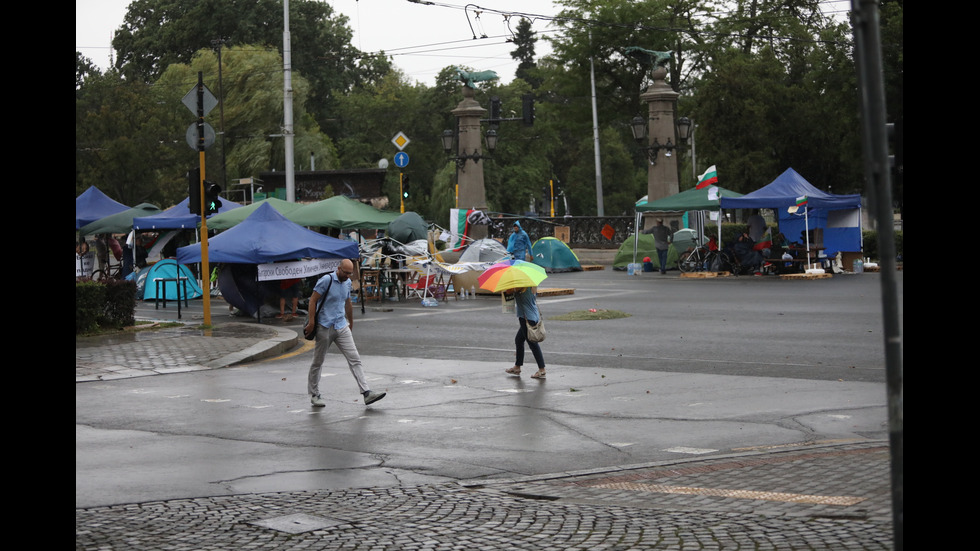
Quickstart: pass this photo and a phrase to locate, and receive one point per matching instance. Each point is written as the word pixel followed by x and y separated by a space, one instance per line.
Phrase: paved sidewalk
pixel 826 496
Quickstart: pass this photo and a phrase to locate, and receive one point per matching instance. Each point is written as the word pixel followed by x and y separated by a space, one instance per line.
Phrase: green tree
pixel 252 90
pixel 158 33
pixel 122 142
pixel 524 39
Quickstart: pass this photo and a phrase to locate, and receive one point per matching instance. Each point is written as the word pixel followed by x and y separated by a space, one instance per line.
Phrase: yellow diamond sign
pixel 400 140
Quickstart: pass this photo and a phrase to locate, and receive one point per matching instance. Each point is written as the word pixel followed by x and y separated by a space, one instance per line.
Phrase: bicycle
pixel 701 259
pixel 107 272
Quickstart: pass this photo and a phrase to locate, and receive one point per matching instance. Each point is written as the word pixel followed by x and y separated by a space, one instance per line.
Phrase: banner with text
pixel 298 269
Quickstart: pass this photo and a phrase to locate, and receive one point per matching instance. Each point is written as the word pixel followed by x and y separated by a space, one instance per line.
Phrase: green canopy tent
pixel 697 200
pixel 121 222
pixel 342 213
pixel 231 218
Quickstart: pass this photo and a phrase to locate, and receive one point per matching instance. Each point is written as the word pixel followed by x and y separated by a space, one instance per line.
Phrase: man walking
pixel 335 322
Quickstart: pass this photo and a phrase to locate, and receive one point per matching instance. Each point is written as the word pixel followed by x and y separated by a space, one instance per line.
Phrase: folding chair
pixel 418 287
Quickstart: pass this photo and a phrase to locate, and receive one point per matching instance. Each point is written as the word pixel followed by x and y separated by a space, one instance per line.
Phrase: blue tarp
pixel 168 269
pixel 177 217
pixel 838 215
pixel 94 205
pixel 267 236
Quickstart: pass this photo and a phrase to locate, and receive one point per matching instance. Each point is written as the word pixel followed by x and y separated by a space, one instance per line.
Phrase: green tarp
pixel 230 219
pixel 342 212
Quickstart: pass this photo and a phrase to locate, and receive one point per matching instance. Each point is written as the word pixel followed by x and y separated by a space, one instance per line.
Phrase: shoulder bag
pixel 536 332
pixel 316 317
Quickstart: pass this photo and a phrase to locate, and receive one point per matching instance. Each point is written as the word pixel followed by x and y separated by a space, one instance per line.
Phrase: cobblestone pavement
pixel 833 497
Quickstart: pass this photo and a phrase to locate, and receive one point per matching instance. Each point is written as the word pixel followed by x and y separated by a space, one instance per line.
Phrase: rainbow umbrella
pixel 511 274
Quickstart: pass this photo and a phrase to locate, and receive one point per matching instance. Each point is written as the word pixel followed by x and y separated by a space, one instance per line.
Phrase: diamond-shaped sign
pixel 190 100
pixel 400 140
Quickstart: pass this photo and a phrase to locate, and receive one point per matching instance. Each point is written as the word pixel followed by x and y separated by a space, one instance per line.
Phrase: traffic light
pixel 405 186
pixel 494 110
pixel 212 202
pixel 194 190
pixel 527 108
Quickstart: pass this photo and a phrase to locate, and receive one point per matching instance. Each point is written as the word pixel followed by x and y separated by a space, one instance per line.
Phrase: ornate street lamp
pixel 448 137
pixel 639 127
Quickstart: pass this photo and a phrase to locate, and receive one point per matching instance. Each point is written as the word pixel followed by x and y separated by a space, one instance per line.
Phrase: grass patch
pixel 591 314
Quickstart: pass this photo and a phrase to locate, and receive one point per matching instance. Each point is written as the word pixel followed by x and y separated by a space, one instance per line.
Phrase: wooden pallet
pixel 806 276
pixel 705 275
pixel 552 292
pixel 592 267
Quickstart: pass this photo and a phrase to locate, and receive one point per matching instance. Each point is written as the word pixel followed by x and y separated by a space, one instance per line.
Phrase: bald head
pixel 345 270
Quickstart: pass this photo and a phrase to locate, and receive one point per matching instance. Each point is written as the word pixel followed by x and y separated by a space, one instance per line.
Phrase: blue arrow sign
pixel 401 159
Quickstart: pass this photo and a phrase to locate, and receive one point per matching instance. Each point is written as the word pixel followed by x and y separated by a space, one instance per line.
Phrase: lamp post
pixel 448 137
pixel 685 132
pixel 659 130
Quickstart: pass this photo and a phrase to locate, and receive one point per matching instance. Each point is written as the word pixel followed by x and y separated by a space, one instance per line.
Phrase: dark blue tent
pixel 267 236
pixel 783 191
pixel 177 217
pixel 94 205
pixel 838 215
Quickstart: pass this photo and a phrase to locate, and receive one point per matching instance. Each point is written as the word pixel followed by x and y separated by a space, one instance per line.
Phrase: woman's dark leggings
pixel 519 341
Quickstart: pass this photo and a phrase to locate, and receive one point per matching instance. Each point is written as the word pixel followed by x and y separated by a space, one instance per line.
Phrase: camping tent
pixel 554 256
pixel 408 227
pixel 229 219
pixel 121 222
pixel 178 217
pixel 645 246
pixel 838 215
pixel 93 205
pixel 168 269
pixel 342 212
pixel 267 236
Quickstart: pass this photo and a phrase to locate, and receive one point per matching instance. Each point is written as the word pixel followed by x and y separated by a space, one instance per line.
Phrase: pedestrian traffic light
pixel 527 105
pixel 212 202
pixel 405 186
pixel 194 190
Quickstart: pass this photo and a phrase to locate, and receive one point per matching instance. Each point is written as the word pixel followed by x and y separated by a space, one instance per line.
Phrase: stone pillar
pixel 469 177
pixel 661 176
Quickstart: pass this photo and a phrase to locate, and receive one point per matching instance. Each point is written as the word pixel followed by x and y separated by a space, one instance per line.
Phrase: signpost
pixel 201 101
pixel 401 161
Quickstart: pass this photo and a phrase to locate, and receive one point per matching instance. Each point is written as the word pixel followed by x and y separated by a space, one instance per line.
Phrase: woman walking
pixel 526 308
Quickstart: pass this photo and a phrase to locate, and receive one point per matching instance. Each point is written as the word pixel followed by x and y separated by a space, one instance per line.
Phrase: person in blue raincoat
pixel 519 244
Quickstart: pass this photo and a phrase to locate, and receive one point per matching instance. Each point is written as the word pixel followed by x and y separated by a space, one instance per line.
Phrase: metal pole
pixel 288 105
pixel 867 40
pixel 600 209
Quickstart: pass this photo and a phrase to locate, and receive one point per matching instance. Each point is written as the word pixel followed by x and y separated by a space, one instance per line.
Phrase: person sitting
pixel 748 257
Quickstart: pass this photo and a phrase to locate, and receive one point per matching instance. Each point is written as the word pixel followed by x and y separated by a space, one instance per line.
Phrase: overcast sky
pixel 423 39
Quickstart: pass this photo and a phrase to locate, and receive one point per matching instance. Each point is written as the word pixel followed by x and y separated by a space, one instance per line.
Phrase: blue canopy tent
pixel 94 205
pixel 266 236
pixel 177 217
pixel 838 215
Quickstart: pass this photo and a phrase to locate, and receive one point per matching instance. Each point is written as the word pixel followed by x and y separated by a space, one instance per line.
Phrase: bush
pixel 89 302
pixel 871 245
pixel 104 306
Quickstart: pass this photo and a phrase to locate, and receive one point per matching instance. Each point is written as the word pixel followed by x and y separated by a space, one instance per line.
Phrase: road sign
pixel 400 140
pixel 190 100
pixel 401 159
pixel 192 137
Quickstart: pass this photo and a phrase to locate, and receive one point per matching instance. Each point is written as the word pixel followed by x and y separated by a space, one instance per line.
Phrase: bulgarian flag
pixel 710 177
pixel 457 227
pixel 765 242
pixel 801 200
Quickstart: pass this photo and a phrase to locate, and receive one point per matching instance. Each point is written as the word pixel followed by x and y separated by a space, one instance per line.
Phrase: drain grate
pixel 299 523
